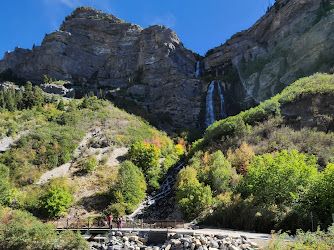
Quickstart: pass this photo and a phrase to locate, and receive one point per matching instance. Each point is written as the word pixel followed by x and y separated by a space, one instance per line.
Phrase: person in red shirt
pixel 110 221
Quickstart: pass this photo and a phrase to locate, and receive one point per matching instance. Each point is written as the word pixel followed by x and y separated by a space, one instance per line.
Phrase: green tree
pixel 61 105
pixel 192 196
pixel 281 178
pixel 130 187
pixel 146 157
pixel 4 185
pixel 56 201
pixel 321 195
pixel 21 230
pixel 220 173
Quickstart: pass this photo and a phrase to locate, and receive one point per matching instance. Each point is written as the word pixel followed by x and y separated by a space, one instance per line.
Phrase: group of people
pixel 119 222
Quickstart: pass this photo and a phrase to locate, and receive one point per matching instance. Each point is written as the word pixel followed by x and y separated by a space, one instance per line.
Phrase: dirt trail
pixel 9 140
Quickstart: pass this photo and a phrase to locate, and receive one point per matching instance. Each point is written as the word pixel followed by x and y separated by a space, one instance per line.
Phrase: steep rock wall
pixel 290 41
pixel 97 50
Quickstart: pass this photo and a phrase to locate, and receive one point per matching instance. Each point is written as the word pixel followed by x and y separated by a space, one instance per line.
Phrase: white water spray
pixel 165 189
pixel 222 102
pixel 210 115
pixel 198 69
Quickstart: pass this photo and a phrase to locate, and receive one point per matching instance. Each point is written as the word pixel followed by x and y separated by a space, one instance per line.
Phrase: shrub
pixel 56 201
pixel 321 195
pixel 242 158
pixel 21 230
pixel 280 178
pixel 4 185
pixel 89 164
pixel 192 196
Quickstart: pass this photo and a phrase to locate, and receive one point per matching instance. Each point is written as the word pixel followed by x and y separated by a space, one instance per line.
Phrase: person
pixel 118 221
pixel 121 222
pixel 110 221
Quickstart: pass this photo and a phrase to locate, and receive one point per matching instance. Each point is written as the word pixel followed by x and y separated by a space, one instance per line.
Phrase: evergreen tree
pixel 61 105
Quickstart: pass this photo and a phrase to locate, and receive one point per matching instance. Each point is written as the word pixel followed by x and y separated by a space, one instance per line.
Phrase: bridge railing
pixel 101 223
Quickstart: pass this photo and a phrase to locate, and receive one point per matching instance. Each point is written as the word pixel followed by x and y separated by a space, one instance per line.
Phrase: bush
pixel 321 195
pixel 4 185
pixel 89 164
pixel 21 230
pixel 56 201
pixel 279 179
pixel 192 196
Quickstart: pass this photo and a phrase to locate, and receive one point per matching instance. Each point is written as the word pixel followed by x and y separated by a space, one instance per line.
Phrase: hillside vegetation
pixel 269 167
pixel 47 132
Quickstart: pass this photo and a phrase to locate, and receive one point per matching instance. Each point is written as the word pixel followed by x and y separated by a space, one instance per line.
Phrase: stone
pixel 198 243
pixel 192 246
pixel 176 242
pixel 214 244
pixel 125 238
pixel 253 244
pixel 133 238
pixel 219 236
pixel 245 246
pixel 203 240
pixel 231 247
pixel 186 244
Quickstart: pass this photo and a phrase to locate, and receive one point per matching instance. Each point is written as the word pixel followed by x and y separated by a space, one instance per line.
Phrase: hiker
pixel 118 221
pixel 121 222
pixel 110 221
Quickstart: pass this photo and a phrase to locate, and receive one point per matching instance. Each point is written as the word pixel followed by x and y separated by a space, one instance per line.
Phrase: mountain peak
pixel 83 12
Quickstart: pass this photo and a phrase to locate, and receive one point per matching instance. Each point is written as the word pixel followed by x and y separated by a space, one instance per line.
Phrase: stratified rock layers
pixel 98 50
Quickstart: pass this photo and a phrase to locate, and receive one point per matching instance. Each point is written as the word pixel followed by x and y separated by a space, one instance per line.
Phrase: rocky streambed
pixel 136 241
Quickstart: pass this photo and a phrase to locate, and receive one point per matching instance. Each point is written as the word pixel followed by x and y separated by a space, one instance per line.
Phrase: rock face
pixel 99 51
pixel 293 39
pixel 94 50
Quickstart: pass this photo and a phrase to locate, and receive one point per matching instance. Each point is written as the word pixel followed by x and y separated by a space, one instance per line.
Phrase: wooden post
pixel 67 224
pixel 88 223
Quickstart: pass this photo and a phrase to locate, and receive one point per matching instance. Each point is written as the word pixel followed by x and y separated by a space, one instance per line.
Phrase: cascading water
pixel 210 115
pixel 242 81
pixel 222 102
pixel 165 189
pixel 198 69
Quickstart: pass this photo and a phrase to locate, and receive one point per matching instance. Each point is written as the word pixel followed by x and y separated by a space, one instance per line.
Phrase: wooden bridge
pixel 100 223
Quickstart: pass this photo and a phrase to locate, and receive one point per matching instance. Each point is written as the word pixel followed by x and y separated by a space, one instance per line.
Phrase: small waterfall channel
pixel 210 115
pixel 165 189
pixel 198 72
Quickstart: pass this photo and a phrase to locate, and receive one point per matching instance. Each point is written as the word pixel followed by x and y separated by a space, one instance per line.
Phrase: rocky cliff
pixel 293 39
pixel 151 67
pixel 95 50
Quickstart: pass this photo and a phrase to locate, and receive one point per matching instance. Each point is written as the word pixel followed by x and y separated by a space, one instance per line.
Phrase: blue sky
pixel 200 25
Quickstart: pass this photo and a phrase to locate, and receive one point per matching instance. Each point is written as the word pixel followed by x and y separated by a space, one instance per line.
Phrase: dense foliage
pixel 56 201
pixel 20 230
pixel 279 179
pixel 129 188
pixel 275 168
pixel 146 157
pixel 192 196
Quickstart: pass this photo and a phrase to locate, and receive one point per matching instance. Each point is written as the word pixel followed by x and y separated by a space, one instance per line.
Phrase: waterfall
pixel 210 116
pixel 198 69
pixel 242 81
pixel 222 102
pixel 165 189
